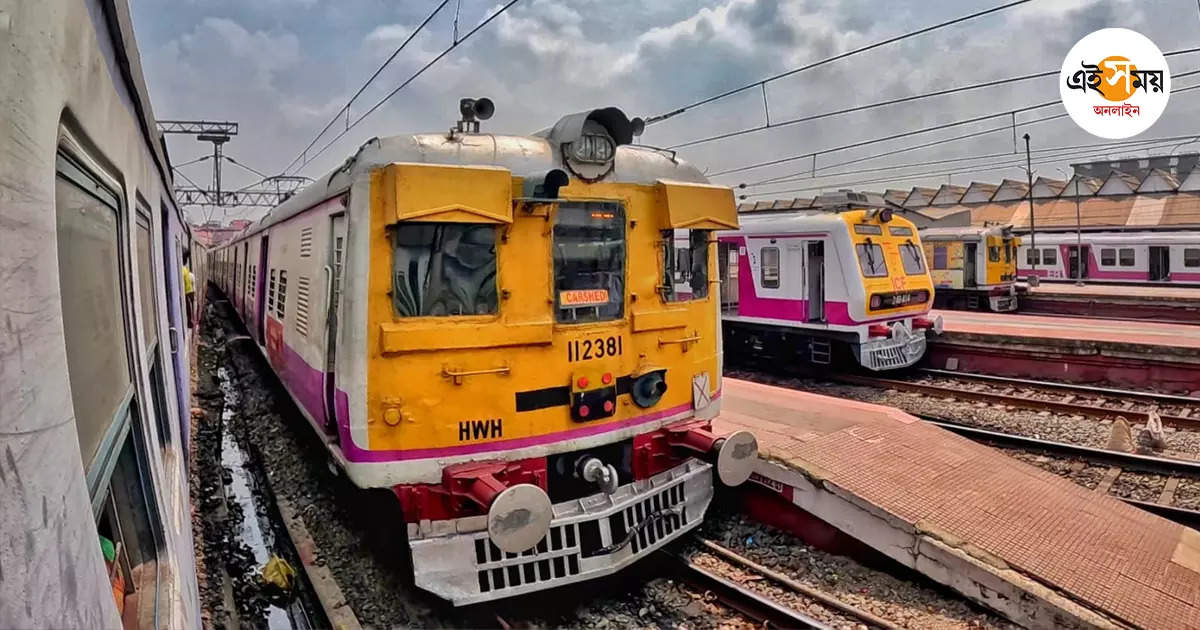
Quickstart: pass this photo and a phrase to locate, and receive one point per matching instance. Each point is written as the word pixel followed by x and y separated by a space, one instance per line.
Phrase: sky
pixel 284 68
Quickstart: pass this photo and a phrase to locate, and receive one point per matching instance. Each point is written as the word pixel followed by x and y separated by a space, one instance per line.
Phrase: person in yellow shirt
pixel 189 291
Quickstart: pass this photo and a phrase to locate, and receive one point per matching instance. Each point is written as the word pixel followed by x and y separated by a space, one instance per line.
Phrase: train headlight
pixel 592 148
pixel 519 518
pixel 649 388
pixel 876 301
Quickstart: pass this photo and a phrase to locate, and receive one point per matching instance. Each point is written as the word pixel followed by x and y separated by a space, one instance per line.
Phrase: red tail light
pixel 583 382
pixel 878 330
pixel 607 378
pixel 584 411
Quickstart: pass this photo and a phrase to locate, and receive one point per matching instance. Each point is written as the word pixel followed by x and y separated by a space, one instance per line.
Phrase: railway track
pixel 756 606
pixel 1181 412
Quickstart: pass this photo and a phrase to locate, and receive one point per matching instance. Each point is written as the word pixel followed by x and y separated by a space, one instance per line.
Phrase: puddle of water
pixel 254 533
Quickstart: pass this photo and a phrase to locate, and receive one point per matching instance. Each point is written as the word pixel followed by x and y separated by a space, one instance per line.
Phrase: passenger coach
pixel 973 267
pixel 487 326
pixel 847 281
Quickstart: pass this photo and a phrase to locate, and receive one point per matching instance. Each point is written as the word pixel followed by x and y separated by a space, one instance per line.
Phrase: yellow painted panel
pixel 698 206
pixel 465 333
pixel 447 194
pixel 646 319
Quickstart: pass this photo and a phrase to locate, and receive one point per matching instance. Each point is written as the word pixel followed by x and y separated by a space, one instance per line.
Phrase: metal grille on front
pixel 558 555
pixel 894 356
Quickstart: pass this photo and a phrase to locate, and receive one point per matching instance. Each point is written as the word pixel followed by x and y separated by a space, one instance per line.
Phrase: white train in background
pixel 1171 258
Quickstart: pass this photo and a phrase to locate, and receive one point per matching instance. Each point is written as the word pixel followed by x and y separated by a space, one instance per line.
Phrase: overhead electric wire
pixel 190 162
pixel 407 81
pixel 805 176
pixel 895 101
pixel 924 130
pixel 1015 162
pixel 252 170
pixel 815 64
pixel 346 108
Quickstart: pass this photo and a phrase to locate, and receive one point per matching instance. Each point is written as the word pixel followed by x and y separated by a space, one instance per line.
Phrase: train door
pixel 727 261
pixel 260 293
pixel 1077 264
pixel 970 258
pixel 1160 266
pixel 244 276
pixel 333 288
pixel 816 281
pixel 234 292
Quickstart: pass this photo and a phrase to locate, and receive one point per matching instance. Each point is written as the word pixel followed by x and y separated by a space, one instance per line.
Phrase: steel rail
pixel 761 609
pixel 1093 411
pixel 1091 389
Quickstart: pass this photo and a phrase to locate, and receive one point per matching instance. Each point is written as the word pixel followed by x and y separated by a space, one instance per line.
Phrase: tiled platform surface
pixel 1134 292
pixel 1169 338
pixel 1125 564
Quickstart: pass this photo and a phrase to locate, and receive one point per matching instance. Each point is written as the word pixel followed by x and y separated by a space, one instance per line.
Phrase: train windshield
pixel 589 261
pixel 914 262
pixel 443 269
pixel 870 258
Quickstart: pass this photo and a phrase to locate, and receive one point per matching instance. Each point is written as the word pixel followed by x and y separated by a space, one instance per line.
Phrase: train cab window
pixel 89 269
pixel 1191 257
pixel 994 253
pixel 870 258
pixel 442 269
pixel 770 267
pixel 1049 257
pixel 589 261
pixel 1031 257
pixel 1108 256
pixel 1008 251
pixel 685 269
pixel 914 261
pixel 1126 256
pixel 939 257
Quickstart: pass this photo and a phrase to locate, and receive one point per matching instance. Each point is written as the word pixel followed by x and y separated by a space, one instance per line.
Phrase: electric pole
pixel 1032 226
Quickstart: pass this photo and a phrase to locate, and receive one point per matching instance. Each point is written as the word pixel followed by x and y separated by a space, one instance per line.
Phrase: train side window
pixel 939 257
pixel 443 269
pixel 89 268
pixel 1108 256
pixel 1031 257
pixel 993 253
pixel 1191 257
pixel 870 258
pixel 770 267
pixel 1126 256
pixel 910 255
pixel 281 298
pixel 1049 257
pixel 146 284
pixel 685 265
pixel 271 293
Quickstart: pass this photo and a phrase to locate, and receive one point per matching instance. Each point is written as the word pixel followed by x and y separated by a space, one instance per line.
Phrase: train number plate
pixel 595 348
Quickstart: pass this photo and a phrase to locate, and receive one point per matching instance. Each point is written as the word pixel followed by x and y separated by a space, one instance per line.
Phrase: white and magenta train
pixel 825 286
pixel 1119 257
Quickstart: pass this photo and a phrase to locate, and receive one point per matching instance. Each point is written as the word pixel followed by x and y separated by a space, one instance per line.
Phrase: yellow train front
pixel 973 268
pixel 487 325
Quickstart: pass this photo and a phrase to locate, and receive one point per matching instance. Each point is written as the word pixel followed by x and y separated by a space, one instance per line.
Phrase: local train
pixel 94 392
pixel 486 325
pixel 973 267
pixel 1171 258
pixel 848 283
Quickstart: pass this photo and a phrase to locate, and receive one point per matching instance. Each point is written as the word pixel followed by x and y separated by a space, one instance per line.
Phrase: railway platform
pixel 1156 355
pixel 1135 302
pixel 1037 548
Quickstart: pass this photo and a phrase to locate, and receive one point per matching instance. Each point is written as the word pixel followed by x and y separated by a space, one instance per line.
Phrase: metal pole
pixel 1032 226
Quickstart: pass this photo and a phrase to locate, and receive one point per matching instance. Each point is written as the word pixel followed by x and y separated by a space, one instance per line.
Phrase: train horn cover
pixel 519 518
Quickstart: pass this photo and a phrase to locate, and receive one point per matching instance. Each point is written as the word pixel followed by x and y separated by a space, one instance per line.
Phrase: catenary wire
pixel 409 80
pixel 346 108
pixel 815 64
pixel 949 125
pixel 895 101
